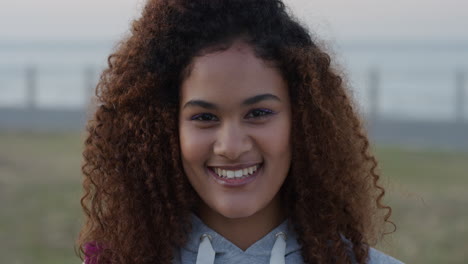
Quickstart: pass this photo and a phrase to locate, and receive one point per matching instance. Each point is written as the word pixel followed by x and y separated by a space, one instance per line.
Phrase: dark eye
pixel 259 113
pixel 204 117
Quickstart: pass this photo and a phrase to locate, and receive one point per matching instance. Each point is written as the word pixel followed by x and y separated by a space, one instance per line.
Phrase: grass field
pixel 40 189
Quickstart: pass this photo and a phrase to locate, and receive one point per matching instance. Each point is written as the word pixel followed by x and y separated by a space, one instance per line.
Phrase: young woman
pixel 223 136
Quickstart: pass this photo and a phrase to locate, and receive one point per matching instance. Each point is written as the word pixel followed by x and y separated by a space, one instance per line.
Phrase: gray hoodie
pixel 205 246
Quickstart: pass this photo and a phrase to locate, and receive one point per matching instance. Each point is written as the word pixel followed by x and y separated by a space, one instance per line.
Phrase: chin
pixel 237 212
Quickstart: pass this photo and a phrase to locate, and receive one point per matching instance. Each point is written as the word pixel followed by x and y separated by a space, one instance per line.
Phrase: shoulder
pixel 378 257
pixel 374 256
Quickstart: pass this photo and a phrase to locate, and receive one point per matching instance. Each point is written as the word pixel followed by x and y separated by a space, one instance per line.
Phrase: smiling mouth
pixel 236 174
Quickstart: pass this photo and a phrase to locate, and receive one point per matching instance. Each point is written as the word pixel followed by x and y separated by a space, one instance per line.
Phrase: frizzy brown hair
pixel 137 200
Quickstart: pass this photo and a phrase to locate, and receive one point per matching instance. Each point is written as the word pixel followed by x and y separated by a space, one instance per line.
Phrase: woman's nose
pixel 232 141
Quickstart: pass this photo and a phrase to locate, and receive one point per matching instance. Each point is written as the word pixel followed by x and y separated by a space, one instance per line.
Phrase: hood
pixel 208 244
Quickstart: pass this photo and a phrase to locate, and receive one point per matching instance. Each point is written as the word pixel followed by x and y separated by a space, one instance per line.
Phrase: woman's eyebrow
pixel 248 101
pixel 260 97
pixel 200 103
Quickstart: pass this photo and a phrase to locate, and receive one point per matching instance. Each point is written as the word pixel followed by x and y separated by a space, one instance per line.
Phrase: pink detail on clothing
pixel 91 252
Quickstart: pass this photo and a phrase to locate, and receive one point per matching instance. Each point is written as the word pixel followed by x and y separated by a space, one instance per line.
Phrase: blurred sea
pixel 416 81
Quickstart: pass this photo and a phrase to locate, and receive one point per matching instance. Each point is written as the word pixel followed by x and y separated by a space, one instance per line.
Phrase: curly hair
pixel 137 199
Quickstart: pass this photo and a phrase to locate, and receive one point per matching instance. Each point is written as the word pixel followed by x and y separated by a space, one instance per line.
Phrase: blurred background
pixel 405 63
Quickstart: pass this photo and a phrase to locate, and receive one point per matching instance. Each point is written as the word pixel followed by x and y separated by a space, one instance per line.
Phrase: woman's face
pixel 234 125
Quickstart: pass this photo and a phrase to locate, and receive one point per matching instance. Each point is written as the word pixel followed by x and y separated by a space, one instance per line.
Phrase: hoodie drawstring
pixel 206 253
pixel 279 249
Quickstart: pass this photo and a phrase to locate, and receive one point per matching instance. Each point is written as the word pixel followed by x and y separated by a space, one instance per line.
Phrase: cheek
pixel 276 140
pixel 194 144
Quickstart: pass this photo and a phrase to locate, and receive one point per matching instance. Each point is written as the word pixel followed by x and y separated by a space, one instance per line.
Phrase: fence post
pixel 31 87
pixel 373 90
pixel 460 96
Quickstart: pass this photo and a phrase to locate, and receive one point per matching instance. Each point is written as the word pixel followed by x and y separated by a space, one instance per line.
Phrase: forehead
pixel 234 73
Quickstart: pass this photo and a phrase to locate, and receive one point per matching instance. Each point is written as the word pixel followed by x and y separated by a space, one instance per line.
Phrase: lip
pixel 237 166
pixel 234 182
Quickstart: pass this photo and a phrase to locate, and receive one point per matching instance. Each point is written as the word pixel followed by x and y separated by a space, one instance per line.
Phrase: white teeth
pixel 235 174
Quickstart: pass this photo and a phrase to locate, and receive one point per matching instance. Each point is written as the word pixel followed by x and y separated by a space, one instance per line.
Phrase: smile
pixel 231 174
pixel 235 177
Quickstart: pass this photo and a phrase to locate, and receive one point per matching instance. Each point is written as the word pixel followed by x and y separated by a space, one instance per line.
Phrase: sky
pixel 383 19
pixel 345 20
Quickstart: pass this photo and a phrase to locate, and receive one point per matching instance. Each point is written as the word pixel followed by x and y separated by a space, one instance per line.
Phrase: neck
pixel 243 232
